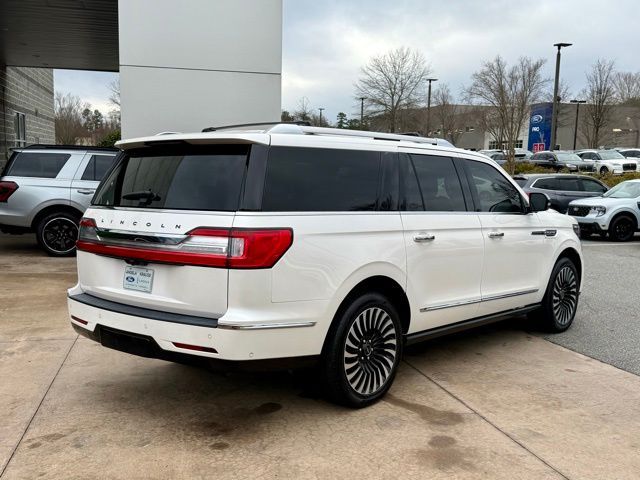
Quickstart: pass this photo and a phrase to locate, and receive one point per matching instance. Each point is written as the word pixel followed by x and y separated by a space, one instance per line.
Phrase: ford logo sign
pixel 536 119
pixel 130 279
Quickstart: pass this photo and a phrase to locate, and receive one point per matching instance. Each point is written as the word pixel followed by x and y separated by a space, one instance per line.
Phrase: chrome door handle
pixel 423 237
pixel 496 234
pixel 85 191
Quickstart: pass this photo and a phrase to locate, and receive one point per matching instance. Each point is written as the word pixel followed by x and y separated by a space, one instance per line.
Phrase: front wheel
pixel 560 301
pixel 57 234
pixel 622 229
pixel 604 171
pixel 363 350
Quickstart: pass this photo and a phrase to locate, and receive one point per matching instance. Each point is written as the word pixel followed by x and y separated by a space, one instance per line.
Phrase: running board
pixel 467 324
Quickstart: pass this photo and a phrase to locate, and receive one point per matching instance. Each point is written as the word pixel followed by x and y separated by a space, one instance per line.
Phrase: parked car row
pixel 599 210
pixel 602 161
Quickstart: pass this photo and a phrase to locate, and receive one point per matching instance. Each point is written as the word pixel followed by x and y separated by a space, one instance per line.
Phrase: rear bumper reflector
pixel 197 348
pixel 79 320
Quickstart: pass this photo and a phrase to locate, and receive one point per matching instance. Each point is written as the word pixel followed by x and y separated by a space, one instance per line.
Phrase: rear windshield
pixel 34 164
pixel 182 179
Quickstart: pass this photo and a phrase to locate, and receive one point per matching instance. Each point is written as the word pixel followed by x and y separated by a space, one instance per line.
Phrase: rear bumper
pixel 230 338
pixel 145 346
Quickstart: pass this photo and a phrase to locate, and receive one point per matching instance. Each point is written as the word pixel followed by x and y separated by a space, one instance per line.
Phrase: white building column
pixel 193 64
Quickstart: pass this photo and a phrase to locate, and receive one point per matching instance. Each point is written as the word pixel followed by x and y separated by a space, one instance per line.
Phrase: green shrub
pixel 109 139
pixel 526 167
pixel 612 180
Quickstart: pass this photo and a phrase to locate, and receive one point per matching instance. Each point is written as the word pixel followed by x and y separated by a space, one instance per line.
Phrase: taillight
pixel 202 246
pixel 6 190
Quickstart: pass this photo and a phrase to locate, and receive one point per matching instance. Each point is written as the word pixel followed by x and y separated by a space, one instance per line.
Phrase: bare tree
pixel 627 88
pixel 446 113
pixel 114 98
pixel 391 83
pixel 304 111
pixel 508 92
pixel 600 96
pixel 68 118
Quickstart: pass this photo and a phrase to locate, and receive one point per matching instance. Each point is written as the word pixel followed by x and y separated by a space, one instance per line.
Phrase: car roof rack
pixel 257 124
pixel 305 128
pixel 396 137
pixel 48 146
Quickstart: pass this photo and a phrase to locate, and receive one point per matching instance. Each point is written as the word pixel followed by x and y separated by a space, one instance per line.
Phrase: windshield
pixel 610 155
pixel 568 157
pixel 624 190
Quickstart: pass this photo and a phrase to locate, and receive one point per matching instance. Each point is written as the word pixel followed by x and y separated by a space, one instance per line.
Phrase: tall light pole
pixel 321 109
pixel 430 80
pixel 575 128
pixel 554 114
pixel 362 99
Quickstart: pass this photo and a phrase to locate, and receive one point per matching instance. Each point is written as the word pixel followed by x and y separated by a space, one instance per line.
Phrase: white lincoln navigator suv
pixel 290 242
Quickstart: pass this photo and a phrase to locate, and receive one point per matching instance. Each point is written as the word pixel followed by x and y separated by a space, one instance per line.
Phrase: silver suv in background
pixel 46 188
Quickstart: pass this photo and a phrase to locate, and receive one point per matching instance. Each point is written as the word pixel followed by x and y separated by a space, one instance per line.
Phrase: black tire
pixel 362 351
pixel 57 233
pixel 604 170
pixel 560 301
pixel 622 229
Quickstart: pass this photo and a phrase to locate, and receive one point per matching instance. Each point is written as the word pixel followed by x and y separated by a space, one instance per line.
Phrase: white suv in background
pixel 289 242
pixel 616 212
pixel 608 161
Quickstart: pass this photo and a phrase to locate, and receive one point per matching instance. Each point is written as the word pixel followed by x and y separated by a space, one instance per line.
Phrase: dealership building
pixel 181 69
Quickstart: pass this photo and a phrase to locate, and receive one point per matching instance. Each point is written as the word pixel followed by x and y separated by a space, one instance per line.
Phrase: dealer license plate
pixel 138 278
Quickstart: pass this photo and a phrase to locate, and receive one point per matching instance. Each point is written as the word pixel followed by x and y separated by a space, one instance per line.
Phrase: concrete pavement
pixel 496 403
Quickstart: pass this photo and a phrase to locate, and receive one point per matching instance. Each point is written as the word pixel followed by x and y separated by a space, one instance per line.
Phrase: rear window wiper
pixel 145 196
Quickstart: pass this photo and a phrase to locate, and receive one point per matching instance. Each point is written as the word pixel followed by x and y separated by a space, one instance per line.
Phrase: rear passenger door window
pixel 439 183
pixel 97 167
pixel 568 184
pixel 321 180
pixel 491 190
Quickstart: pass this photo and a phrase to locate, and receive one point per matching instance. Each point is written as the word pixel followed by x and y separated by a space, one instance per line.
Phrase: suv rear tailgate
pixel 183 289
pixel 156 235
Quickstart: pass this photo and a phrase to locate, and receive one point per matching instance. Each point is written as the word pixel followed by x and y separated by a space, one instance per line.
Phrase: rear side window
pixel 33 164
pixel 521 181
pixel 439 183
pixel 589 185
pixel 547 184
pixel 97 167
pixel 491 190
pixel 321 180
pixel 181 178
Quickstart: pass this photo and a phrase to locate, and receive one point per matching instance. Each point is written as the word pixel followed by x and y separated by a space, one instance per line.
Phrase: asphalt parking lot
pixel 501 402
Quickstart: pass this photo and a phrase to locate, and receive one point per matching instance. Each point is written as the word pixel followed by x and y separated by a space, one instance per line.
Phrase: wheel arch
pixel 52 209
pixel 624 213
pixel 573 255
pixel 383 284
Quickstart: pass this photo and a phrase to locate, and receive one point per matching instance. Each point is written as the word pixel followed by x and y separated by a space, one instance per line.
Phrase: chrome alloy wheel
pixel 565 295
pixel 60 234
pixel 370 351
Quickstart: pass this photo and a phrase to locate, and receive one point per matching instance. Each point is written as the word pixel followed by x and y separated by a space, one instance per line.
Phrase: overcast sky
pixel 325 42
